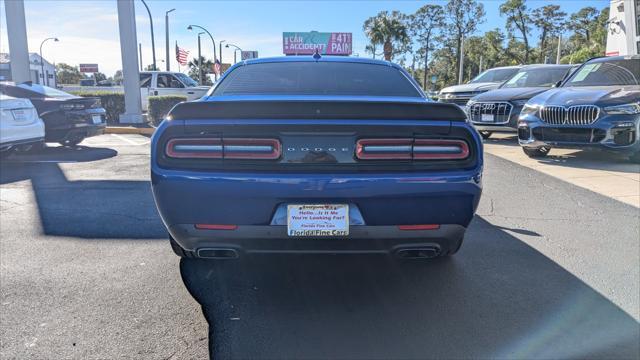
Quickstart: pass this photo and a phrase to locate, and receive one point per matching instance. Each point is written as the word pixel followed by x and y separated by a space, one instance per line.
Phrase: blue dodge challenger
pixel 316 155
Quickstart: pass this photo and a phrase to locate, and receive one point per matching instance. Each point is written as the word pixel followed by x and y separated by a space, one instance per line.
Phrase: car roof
pixel 323 58
pixel 614 58
pixel 548 66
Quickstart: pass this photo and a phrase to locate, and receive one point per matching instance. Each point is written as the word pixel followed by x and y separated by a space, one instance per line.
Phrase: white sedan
pixel 20 126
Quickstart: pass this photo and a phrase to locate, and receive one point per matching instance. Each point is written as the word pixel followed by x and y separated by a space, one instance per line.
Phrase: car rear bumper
pixel 247 239
pixel 80 130
pixel 21 134
pixel 250 202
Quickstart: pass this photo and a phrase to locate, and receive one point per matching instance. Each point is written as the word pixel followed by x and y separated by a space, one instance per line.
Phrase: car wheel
pixel 72 141
pixel 178 250
pixel 485 134
pixel 635 158
pixel 537 152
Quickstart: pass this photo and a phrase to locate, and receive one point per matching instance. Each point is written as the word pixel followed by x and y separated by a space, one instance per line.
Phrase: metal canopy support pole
pixel 131 76
pixel 18 47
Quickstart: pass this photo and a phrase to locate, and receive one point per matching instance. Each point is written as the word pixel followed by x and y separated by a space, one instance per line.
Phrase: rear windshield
pixel 607 73
pixel 316 78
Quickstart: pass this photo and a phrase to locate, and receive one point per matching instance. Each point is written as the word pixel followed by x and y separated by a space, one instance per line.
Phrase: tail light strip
pixel 416 149
pixel 218 148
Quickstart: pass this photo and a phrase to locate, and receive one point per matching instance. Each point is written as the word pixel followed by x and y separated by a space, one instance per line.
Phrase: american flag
pixel 182 55
pixel 216 67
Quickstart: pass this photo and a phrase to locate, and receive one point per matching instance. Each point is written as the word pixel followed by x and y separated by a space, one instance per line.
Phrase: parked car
pixel 316 155
pixel 20 126
pixel 68 119
pixel 87 82
pixel 487 80
pixel 159 83
pixel 597 107
pixel 498 110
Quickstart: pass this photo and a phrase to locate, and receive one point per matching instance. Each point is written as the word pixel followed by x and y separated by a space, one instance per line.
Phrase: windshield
pixel 186 80
pixel 607 73
pixel 538 77
pixel 316 78
pixel 46 91
pixel 494 75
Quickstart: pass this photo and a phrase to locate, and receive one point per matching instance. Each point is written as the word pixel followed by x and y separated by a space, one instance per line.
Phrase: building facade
pixel 36 65
pixel 624 28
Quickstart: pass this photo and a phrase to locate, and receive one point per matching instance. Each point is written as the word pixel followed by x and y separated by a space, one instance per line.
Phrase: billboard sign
pixel 88 68
pixel 306 43
pixel 246 55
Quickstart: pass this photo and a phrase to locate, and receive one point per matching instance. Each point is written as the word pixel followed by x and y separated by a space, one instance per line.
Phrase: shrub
pixel 113 103
pixel 159 106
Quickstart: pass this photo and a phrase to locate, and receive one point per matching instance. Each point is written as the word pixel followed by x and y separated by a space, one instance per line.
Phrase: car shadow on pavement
pixel 497 298
pixel 91 209
pixel 579 159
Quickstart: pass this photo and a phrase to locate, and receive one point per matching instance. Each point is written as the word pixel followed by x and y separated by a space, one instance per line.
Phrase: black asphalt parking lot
pixel 548 270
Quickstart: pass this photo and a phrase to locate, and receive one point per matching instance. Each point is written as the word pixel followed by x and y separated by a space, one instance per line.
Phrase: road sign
pixel 306 43
pixel 246 55
pixel 88 68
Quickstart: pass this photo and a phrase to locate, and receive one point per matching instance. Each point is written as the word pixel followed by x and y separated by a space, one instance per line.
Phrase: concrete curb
pixel 128 130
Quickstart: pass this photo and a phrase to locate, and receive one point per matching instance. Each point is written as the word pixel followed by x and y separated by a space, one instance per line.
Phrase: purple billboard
pixel 306 43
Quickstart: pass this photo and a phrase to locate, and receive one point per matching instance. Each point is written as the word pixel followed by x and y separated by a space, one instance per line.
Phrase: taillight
pixel 389 149
pixel 411 149
pixel 426 149
pixel 218 148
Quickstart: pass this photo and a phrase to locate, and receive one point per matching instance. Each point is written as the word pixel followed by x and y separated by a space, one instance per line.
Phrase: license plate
pixel 97 119
pixel 487 117
pixel 20 115
pixel 318 220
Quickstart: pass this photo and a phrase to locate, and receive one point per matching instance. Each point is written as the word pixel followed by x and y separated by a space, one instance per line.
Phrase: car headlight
pixel 625 109
pixel 529 109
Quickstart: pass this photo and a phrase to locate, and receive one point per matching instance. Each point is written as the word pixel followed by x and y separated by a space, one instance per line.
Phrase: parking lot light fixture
pixel 234 51
pixel 42 60
pixel 190 28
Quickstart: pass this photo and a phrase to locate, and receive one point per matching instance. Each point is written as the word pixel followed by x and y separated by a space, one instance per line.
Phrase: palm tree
pixel 389 30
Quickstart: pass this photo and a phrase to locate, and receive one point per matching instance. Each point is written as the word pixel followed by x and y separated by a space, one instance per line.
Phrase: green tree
pixel 373 32
pixel 464 17
pixel 426 25
pixel 518 18
pixel 582 22
pixel 67 74
pixel 206 65
pixel 389 30
pixel 98 76
pixel 551 21
pixel 117 77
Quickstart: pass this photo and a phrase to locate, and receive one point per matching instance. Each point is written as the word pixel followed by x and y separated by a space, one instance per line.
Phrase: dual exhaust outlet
pixel 405 253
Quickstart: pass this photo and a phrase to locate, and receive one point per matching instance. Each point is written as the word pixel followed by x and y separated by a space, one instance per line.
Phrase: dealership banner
pixel 306 43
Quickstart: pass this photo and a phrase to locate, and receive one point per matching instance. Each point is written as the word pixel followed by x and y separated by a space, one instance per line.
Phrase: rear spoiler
pixel 288 109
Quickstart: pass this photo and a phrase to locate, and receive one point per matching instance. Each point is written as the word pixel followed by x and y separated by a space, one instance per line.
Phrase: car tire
pixel 537 152
pixel 178 250
pixel 635 158
pixel 72 141
pixel 485 134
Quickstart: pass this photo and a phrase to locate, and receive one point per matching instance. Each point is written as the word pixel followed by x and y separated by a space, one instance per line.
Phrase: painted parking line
pixel 597 171
pixel 107 140
pixel 127 140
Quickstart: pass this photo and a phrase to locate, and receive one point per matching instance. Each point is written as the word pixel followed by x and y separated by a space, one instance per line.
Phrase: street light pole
pixel 220 45
pixel 234 51
pixel 190 27
pixel 166 33
pixel 199 61
pixel 42 59
pixel 153 42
